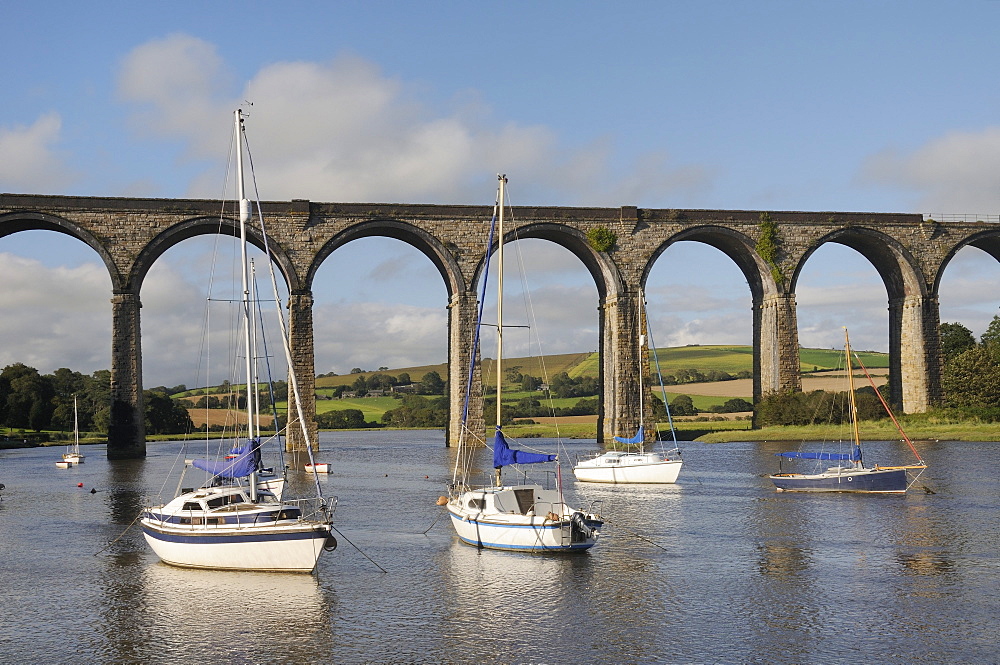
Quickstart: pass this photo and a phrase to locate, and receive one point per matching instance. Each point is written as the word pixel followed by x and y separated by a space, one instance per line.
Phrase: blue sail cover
pixel 245 459
pixel 853 456
pixel 638 438
pixel 503 455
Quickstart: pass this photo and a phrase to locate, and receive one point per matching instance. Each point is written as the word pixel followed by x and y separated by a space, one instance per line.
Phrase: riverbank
pixel 869 431
pixel 705 432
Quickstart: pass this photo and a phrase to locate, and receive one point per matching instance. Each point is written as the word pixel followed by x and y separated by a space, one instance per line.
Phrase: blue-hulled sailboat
pixel 526 517
pixel 851 474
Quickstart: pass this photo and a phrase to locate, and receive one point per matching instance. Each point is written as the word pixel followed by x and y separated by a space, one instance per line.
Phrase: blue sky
pixel 856 106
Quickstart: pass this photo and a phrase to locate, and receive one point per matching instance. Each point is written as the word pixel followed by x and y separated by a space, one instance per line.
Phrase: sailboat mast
pixel 76 428
pixel 244 278
pixel 503 182
pixel 851 396
pixel 252 432
pixel 641 357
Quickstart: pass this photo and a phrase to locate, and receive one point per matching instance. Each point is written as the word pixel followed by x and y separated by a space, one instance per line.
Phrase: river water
pixel 719 568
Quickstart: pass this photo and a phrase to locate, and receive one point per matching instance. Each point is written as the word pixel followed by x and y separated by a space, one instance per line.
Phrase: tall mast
pixel 642 358
pixel 244 265
pixel 850 383
pixel 252 432
pixel 503 182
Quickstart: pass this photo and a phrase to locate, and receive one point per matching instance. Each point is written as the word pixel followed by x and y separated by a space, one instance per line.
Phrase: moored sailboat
pixel 526 517
pixel 850 474
pixel 236 521
pixel 73 455
pixel 635 464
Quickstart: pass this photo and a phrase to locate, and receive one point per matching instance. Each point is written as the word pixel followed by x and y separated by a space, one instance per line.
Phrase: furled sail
pixel 240 463
pixel 504 455
pixel 853 456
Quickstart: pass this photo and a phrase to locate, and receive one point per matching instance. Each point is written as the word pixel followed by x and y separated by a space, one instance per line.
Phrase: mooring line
pixel 339 533
pixel 120 536
pixel 633 533
pixel 424 532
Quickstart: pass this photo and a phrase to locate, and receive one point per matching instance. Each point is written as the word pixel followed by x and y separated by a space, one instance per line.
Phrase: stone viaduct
pixel 909 253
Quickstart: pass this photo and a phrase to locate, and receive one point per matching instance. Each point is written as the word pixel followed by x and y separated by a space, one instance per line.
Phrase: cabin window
pixel 477 504
pixel 191 505
pixel 208 520
pixel 225 500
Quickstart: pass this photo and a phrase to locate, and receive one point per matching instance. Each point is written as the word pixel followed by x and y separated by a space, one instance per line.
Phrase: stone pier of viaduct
pixel 908 252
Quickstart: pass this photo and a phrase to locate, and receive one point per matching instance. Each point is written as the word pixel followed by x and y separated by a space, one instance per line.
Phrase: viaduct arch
pixel 908 252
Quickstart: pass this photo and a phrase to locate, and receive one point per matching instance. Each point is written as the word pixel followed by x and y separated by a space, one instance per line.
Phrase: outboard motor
pixel 580 526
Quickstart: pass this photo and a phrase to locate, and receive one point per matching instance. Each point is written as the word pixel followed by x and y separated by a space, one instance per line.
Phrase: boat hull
pixel 287 548
pixel 528 536
pixel 630 468
pixel 853 480
pixel 524 519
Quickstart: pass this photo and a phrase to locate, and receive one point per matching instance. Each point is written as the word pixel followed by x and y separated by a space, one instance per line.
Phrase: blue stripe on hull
pixel 217 539
pixel 528 548
pixel 893 480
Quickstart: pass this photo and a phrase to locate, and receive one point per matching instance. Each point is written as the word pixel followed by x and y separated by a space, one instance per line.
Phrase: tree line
pixel 31 401
pixel 970 383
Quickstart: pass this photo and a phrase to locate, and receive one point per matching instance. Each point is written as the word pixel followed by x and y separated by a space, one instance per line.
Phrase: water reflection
pixel 233 616
pixel 718 568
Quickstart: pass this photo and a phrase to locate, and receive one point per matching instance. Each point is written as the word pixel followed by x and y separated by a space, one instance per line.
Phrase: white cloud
pixel 371 335
pixel 31 161
pixel 344 131
pixel 955 173
pixel 69 327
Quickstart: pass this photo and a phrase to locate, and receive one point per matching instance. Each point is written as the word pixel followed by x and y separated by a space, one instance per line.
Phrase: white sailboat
pixel 72 455
pixel 527 517
pixel 631 465
pixel 234 522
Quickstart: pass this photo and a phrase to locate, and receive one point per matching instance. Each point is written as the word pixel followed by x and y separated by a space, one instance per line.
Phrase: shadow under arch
pixel 440 255
pixel 987 241
pixel 607 278
pixel 737 246
pixel 896 266
pixel 199 226
pixel 12 223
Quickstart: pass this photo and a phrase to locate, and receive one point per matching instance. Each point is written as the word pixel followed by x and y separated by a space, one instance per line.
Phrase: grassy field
pixel 545 366
pixel 870 431
pixel 731 359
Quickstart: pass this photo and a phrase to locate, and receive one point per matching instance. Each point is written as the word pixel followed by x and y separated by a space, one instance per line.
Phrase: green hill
pixel 734 359
pixel 544 366
pixel 731 359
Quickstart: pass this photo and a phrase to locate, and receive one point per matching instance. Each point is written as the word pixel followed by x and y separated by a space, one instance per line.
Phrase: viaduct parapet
pixel 770 248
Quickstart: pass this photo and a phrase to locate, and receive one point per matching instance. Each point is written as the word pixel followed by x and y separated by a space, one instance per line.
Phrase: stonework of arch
pixel 908 252
pixel 618 402
pixel 775 332
pixel 914 344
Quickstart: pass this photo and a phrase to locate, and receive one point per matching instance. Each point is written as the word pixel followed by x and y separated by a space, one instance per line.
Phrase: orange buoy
pixel 442 500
